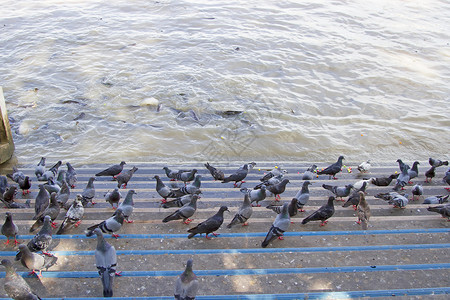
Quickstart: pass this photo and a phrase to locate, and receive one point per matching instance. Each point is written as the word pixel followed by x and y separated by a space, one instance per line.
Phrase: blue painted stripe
pixel 314 295
pixel 255 234
pixel 252 250
pixel 236 272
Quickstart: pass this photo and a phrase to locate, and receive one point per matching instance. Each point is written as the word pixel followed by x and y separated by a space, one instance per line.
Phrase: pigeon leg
pixel 93 203
pixel 118 273
pixel 163 200
pixel 207 237
pixel 77 223
pixel 7 242
pixel 358 222
pixel 301 210
pixel 215 234
pixel 188 221
pixel 173 179
pixel 53 224
pixel 34 272
pixel 46 253
pixel 281 237
pixel 245 224
pixel 447 189
pixel 115 235
pixel 323 223
pixel 124 186
pixel 128 221
pixel 16 242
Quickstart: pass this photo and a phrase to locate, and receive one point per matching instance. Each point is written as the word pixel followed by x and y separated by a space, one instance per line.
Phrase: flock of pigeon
pixel 54 194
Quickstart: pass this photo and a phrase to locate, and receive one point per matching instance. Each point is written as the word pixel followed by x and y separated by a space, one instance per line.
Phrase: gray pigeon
pixel 15 286
pixel 191 188
pixel 273 173
pixel 354 197
pixel 113 197
pixel 184 213
pixel 215 173
pixel 394 198
pixel 172 174
pixel 436 199
pixel 9 194
pixel 88 193
pixel 325 212
pixel 34 261
pixel 52 210
pixel 186 176
pixel 363 211
pixel 302 195
pixel 3 184
pixel 50 173
pixel 9 229
pixel 74 214
pixel 40 168
pixel 416 191
pixel 124 177
pixel 51 186
pixel 414 171
pixel 244 213
pixel 110 225
pixel 63 195
pixel 272 181
pixel 339 191
pixel 179 201
pixel 209 225
pixel 23 181
pixel 163 190
pixel 279 226
pixel 237 176
pixel 106 262
pixel 186 285
pixel 278 189
pixel 255 195
pixel 333 169
pixel 292 208
pixel 112 170
pixel 437 162
pixel 403 178
pixel 71 175
pixel 127 206
pixel 42 201
pixel 42 240
pixel 309 173
pixel 61 177
pixel 384 181
pixel 430 174
pixel 444 210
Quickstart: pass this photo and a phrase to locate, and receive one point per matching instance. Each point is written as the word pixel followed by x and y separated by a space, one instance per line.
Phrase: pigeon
pixel 446 179
pixel 106 263
pixel 363 211
pixel 127 206
pixel 71 175
pixel 397 200
pixel 172 174
pixel 215 173
pixel 444 210
pixel 112 170
pixel 184 213
pixel 23 181
pixel 402 165
pixel 9 200
pixel 358 185
pixel 272 181
pixel 3 184
pixel 402 179
pixel 416 191
pixel 50 173
pixel 354 197
pixel 364 167
pixel 40 168
pixel 292 208
pixel 34 261
pixel 9 229
pixel 414 171
pixel 244 213
pixel 333 169
pixel 210 225
pixel 42 201
pixel 73 215
pixel 309 173
pixel 339 191
pixel 124 177
pixel 186 176
pixel 325 212
pixel 279 226
pixel 179 201
pixel 278 189
pixel 113 197
pixel 110 225
pixel 436 199
pixel 302 195
pixel 192 188
pixel 237 176
pixel 384 181
pixel 430 174
pixel 52 210
pixel 186 285
pixel 51 186
pixel 42 240
pixel 437 163
pixel 61 177
pixel 88 193
pixel 9 194
pixel 63 195
pixel 163 190
pixel 255 195
pixel 273 173
pixel 15 286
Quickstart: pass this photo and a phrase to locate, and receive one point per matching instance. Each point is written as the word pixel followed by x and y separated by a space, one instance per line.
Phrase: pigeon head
pixel 223 208
pixel 8 215
pixel 122 163
pixel 22 247
pixel 341 157
pixel 156 176
pixel 307 182
pixel 6 263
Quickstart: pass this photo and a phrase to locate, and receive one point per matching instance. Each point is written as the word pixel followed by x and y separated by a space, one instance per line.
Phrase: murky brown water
pixel 215 80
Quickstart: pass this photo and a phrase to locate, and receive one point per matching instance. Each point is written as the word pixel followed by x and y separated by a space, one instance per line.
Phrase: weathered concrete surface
pixel 148 216
pixel 6 140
